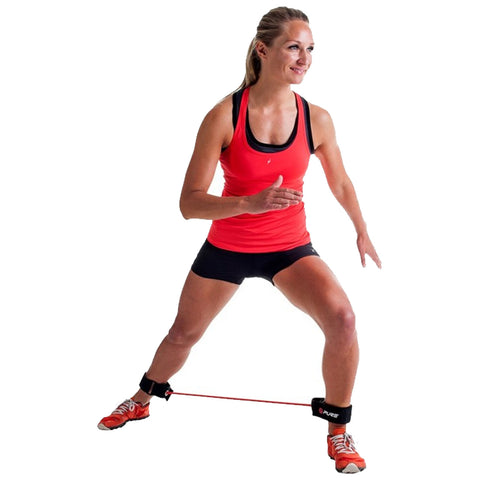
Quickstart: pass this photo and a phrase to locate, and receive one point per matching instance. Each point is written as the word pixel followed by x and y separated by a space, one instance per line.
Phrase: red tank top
pixel 249 167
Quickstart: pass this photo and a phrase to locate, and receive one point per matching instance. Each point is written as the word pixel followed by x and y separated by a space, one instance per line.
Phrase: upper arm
pixel 326 147
pixel 214 133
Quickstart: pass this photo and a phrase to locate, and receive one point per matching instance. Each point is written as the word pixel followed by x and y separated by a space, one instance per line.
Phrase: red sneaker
pixel 341 448
pixel 128 410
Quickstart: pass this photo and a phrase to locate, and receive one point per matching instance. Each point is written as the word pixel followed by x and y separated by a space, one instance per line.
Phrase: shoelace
pixel 343 443
pixel 126 405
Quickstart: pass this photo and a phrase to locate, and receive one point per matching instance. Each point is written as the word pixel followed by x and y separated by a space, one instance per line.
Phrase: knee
pixel 342 328
pixel 183 337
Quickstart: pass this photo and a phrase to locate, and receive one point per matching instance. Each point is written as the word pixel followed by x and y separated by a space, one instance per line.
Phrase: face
pixel 290 56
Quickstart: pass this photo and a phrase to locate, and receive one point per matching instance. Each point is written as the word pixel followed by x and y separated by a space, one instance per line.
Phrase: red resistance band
pixel 241 399
pixel 320 408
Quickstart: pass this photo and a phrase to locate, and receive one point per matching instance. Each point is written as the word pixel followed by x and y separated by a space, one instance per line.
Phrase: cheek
pixel 283 59
pixel 288 58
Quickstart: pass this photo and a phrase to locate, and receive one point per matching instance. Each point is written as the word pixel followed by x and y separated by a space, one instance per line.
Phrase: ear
pixel 261 49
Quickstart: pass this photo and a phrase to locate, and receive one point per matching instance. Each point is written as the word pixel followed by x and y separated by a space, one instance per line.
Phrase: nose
pixel 302 57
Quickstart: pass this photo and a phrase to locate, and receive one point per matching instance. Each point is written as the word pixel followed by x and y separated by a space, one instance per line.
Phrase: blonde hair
pixel 270 27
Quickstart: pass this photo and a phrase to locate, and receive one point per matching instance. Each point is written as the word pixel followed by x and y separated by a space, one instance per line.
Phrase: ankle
pixel 332 427
pixel 141 397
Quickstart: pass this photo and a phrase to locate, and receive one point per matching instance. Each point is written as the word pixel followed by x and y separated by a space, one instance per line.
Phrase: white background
pixel 100 104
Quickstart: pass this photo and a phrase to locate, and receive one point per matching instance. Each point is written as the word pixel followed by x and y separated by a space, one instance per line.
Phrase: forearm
pixel 199 204
pixel 346 196
pixel 204 206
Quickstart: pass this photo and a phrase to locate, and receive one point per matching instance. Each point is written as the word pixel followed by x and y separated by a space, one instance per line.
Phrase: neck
pixel 265 93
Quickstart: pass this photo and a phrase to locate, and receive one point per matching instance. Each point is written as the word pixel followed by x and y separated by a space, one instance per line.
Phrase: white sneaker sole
pixel 351 468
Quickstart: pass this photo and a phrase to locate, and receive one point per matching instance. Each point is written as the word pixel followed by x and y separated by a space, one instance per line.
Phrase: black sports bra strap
pixel 308 126
pixel 236 101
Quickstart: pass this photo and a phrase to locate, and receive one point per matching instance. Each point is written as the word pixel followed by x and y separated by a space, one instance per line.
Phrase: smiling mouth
pixel 299 71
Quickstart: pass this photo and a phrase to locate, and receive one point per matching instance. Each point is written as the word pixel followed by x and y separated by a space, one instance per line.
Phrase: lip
pixel 298 71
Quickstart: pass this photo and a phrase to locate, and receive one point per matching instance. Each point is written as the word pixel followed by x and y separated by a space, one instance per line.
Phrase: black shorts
pixel 234 267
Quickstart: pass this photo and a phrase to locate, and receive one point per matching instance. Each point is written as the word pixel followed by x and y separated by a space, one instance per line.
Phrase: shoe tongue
pixel 339 431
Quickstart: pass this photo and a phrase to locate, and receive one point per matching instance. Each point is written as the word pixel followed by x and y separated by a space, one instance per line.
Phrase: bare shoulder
pixel 221 112
pixel 216 130
pixel 217 124
pixel 319 115
pixel 320 118
pixel 322 125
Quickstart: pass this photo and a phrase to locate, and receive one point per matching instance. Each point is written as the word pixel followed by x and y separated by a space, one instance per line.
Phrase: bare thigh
pixel 200 302
pixel 311 286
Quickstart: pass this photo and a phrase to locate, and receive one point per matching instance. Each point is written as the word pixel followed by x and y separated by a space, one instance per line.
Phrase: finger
pixel 279 204
pixel 361 251
pixel 289 194
pixel 286 198
pixel 277 182
pixel 376 259
pixel 294 193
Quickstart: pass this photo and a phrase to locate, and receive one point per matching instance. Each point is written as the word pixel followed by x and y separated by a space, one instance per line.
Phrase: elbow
pixel 184 210
pixel 189 205
pixel 183 205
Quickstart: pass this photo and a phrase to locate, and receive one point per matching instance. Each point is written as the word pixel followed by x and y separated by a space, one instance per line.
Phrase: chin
pixel 296 81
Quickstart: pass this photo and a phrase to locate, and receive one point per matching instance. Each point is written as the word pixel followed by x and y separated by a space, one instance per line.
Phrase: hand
pixel 365 246
pixel 274 198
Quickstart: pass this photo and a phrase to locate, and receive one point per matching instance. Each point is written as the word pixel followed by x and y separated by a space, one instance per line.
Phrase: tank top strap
pixel 236 103
pixel 239 112
pixel 240 105
pixel 305 123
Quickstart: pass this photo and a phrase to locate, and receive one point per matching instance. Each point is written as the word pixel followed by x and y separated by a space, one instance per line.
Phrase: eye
pixel 297 47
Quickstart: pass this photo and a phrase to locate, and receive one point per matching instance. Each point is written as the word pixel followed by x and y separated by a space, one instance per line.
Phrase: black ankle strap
pixel 162 390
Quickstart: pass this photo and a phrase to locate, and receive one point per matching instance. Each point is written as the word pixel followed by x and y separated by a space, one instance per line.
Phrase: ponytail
pixel 252 65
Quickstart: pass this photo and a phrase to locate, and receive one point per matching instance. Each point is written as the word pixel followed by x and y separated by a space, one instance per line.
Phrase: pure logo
pixel 327 414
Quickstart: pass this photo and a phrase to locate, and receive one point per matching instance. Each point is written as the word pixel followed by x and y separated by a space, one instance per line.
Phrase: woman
pixel 264 135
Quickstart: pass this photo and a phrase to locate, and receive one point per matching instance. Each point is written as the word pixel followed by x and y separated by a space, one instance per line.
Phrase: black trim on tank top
pixel 308 126
pixel 267 147
pixel 236 101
